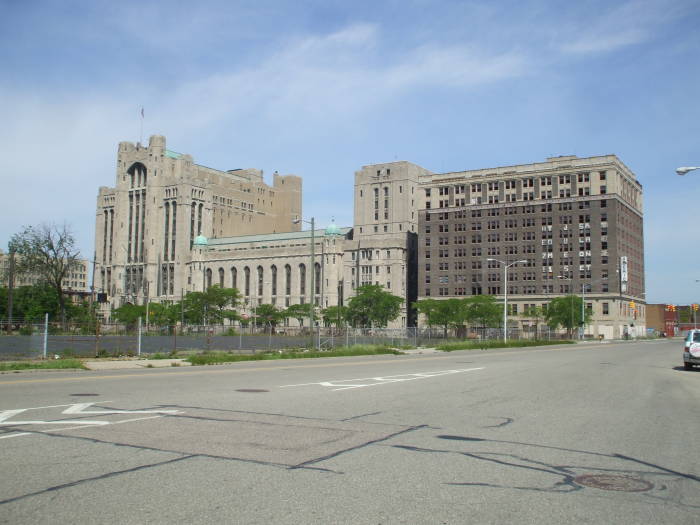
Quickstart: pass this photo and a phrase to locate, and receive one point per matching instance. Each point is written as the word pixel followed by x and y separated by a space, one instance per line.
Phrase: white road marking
pixel 74 408
pixel 382 380
pixel 79 408
pixel 18 434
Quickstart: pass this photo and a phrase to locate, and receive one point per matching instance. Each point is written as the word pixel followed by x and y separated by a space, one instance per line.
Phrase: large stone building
pixel 162 201
pixel 576 222
pixel 170 226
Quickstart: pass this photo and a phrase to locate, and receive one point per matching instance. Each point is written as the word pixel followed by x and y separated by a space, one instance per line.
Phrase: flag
pixel 141 112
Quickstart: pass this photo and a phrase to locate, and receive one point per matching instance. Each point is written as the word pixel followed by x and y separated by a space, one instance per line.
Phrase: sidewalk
pixel 120 364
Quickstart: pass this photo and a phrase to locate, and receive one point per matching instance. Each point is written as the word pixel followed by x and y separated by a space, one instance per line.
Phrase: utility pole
pixel 10 290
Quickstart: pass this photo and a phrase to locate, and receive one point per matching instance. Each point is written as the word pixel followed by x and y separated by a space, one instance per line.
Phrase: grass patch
pixel 486 345
pixel 212 358
pixel 42 365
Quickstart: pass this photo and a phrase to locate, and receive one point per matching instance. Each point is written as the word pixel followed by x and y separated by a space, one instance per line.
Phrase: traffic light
pixel 695 307
pixel 673 307
pixel 632 305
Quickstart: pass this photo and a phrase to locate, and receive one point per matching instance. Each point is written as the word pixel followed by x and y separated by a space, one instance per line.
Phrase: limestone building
pixel 147 223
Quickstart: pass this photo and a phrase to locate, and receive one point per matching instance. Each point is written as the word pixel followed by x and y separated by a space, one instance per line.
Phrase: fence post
pixel 97 338
pixel 46 334
pixel 138 339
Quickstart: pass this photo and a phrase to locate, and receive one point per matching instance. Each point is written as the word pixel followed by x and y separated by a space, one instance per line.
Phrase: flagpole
pixel 141 131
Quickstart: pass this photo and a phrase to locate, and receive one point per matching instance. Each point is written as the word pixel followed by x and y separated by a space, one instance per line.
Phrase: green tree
pixel 267 315
pixel 334 316
pixel 566 312
pixel 429 308
pixel 129 314
pixel 298 312
pixel 448 313
pixel 212 306
pixel 484 311
pixel 372 305
pixel 163 314
pixel 48 252
pixel 32 302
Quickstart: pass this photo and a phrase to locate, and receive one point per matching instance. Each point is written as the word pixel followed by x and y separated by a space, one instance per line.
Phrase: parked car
pixel 691 349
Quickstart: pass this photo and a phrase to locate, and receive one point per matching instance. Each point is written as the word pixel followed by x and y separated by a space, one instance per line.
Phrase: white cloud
pixel 335 75
pixel 630 23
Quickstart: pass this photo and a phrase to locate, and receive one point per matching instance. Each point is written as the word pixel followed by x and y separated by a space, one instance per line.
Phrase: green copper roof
pixel 333 229
pixel 273 237
pixel 172 154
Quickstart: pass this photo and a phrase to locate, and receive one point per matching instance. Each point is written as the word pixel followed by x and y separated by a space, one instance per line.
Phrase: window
pixel 606 307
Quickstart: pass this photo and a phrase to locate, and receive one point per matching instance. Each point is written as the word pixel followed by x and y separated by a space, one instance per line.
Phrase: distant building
pixel 75 282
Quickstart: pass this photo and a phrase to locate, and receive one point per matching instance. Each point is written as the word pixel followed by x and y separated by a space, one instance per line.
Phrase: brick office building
pixel 577 222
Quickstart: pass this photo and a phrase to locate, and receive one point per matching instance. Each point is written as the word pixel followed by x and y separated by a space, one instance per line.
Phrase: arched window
pixel 260 281
pixel 208 278
pixel 317 279
pixel 302 279
pixel 273 276
pixel 246 273
pixel 137 175
pixel 221 277
pixel 234 277
pixel 287 279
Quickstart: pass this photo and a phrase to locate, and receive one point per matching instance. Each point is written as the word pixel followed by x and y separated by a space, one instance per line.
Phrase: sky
pixel 321 88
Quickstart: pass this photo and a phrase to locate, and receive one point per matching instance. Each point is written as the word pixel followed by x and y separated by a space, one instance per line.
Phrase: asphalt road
pixel 581 434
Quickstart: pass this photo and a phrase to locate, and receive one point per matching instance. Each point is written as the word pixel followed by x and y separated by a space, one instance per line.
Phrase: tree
pixel 448 313
pixel 163 314
pixel 48 252
pixel 334 315
pixel 429 308
pixel 566 312
pixel 484 311
pixel 298 312
pixel 267 314
pixel 129 314
pixel 212 306
pixel 372 305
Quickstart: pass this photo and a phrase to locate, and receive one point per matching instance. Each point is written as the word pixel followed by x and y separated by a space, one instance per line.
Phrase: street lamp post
pixel 685 169
pixel 313 269
pixel 505 293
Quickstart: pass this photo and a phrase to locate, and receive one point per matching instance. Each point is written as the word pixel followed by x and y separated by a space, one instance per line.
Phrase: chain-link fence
pixel 36 340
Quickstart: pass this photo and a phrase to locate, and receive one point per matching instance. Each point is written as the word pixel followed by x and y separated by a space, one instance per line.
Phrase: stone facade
pixel 147 223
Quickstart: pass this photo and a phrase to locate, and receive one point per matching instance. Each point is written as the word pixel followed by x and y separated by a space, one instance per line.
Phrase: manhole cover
pixel 84 395
pixel 252 390
pixel 613 482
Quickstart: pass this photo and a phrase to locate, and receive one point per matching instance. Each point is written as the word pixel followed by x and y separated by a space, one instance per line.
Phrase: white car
pixel 691 349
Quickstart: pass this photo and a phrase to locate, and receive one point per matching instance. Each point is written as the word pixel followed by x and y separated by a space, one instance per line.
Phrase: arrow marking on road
pixel 343 384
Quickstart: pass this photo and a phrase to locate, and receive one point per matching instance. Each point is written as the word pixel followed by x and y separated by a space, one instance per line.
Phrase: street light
pixel 505 293
pixel 685 169
pixel 313 269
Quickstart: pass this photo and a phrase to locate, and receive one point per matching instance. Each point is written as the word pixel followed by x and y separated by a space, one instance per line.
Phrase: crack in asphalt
pixel 566 474
pixel 94 478
pixel 356 447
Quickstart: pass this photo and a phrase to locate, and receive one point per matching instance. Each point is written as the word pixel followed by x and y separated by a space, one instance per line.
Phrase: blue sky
pixel 320 88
